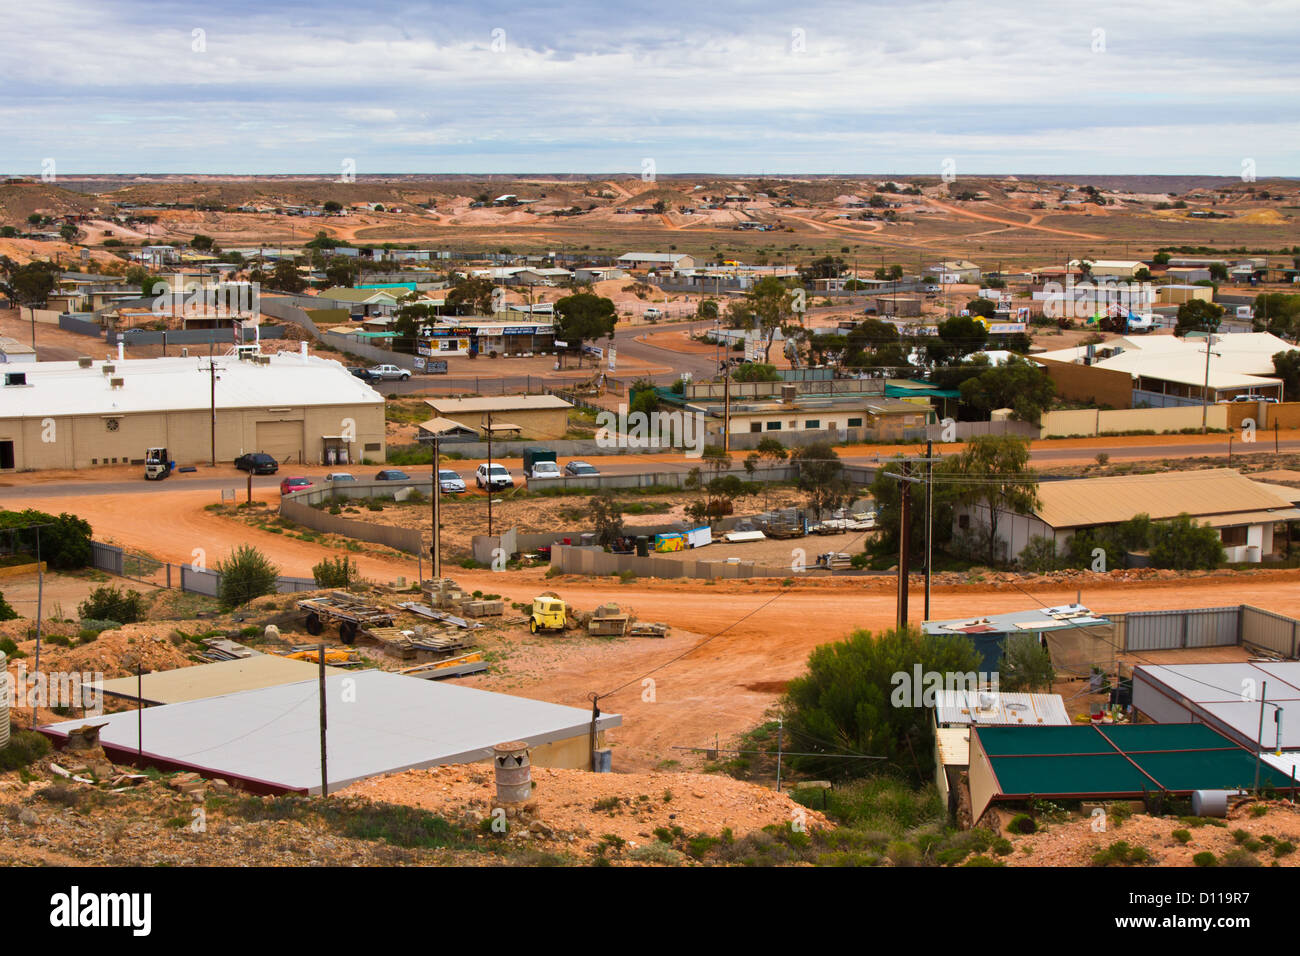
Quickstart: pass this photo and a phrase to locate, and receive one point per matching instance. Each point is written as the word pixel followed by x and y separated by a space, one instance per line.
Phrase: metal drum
pixel 514 774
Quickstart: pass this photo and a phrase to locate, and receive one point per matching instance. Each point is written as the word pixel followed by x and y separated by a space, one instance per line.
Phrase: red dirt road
pixel 763 635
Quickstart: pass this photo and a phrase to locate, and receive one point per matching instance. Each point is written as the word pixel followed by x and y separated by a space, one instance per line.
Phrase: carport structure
pixel 1114 761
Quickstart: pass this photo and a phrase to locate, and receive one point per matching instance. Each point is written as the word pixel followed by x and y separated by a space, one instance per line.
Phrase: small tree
pixel 1183 545
pixel 821 475
pixel 1026 665
pixel 112 604
pixel 338 572
pixel 994 474
pixel 245 575
pixel 7 613
pixel 847 702
pixel 606 518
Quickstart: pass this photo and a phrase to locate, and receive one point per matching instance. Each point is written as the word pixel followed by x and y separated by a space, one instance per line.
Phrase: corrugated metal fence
pixel 138 567
pixel 1208 627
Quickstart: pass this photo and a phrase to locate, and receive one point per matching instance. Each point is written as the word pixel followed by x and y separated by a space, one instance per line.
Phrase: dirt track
pixel 764 635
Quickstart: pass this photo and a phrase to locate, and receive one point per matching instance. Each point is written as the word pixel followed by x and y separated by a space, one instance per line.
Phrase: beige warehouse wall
pixel 85 441
pixel 1091 421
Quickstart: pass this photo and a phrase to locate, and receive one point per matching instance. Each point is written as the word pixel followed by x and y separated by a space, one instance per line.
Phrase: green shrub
pixel 7 613
pixel 25 747
pixel 65 540
pixel 112 604
pixel 1283 848
pixel 246 575
pixel 8 647
pixel 983 861
pixel 1205 858
pixel 96 626
pixel 1182 836
pixel 337 572
pixel 1022 823
pixel 656 852
pixel 1240 857
pixel 1120 853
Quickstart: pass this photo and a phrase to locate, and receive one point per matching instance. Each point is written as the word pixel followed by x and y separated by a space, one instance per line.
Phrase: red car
pixel 293 484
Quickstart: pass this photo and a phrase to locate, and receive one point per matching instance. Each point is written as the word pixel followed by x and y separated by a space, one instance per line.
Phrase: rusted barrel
pixel 514 774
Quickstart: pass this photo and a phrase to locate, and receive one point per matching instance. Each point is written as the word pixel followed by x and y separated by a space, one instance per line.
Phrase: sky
pixel 969 86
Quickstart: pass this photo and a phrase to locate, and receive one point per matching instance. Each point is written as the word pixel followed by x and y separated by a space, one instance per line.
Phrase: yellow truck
pixel 549 613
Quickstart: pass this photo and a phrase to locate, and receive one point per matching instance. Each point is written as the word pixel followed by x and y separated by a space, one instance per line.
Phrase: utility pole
pixel 435 563
pixel 904 541
pixel 488 481
pixel 324 776
pixel 212 371
pixel 726 410
pixel 929 522
pixel 1205 393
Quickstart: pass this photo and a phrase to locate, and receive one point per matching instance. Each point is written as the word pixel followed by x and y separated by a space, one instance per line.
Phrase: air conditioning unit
pixel 108 369
pixel 116 382
pixel 84 361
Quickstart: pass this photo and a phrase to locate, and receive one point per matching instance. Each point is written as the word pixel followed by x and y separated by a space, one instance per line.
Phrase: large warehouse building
pixel 86 413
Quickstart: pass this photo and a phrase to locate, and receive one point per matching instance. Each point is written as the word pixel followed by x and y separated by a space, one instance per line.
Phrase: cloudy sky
pixel 758 86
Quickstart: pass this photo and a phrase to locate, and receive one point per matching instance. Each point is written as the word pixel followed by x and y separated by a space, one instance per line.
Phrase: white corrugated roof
pixel 179 384
pixel 962 707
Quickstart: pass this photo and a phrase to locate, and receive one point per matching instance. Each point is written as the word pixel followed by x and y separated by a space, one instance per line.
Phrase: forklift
pixel 156 464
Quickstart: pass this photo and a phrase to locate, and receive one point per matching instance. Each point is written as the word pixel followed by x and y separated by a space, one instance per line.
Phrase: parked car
pixel 652 315
pixel 545 469
pixel 392 474
pixel 493 477
pixel 259 463
pixel 450 482
pixel 580 469
pixel 294 484
pixel 389 373
pixel 337 476
pixel 362 373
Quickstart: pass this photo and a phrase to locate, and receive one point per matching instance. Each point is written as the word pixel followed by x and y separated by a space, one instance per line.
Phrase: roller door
pixel 281 440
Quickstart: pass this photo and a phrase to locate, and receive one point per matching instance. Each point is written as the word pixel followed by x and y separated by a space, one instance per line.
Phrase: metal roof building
pixel 1115 761
pixel 989 633
pixel 960 708
pixel 268 739
pixel 66 415
pixel 1225 696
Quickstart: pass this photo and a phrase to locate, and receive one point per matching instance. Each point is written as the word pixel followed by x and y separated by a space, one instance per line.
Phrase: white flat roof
pixel 1226 695
pixel 377 723
pixel 181 384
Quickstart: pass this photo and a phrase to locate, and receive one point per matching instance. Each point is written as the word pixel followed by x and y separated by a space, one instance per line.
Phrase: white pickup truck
pixel 389 373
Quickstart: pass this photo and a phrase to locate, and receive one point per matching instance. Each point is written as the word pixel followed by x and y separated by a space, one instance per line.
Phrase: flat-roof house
pixel 656 261
pixel 955 271
pixel 1110 268
pixel 13 351
pixel 1242 510
pixel 853 416
pixel 534 416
